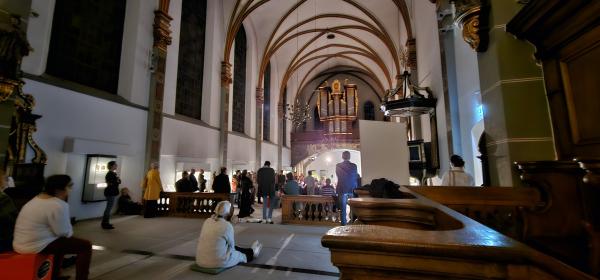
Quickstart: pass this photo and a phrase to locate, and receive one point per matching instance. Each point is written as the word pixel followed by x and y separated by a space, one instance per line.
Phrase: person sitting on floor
pixel 126 205
pixel 44 225
pixel 216 244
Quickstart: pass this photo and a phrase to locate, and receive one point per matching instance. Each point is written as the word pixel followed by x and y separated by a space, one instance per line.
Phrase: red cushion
pixel 27 266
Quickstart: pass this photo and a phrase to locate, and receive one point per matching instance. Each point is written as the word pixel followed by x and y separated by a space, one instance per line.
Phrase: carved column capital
pixel 260 97
pixel 226 77
pixel 162 31
pixel 468 17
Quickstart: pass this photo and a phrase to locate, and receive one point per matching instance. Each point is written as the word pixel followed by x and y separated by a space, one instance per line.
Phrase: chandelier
pixel 411 102
pixel 297 113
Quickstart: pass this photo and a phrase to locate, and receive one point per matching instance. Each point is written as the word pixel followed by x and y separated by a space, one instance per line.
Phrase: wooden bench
pixel 25 266
pixel 447 245
pixel 500 208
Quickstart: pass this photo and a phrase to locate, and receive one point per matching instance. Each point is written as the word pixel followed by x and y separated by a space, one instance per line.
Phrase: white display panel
pixel 384 152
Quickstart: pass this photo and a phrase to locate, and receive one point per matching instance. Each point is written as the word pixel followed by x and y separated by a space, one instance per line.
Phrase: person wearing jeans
pixel 266 186
pixel 110 192
pixel 347 175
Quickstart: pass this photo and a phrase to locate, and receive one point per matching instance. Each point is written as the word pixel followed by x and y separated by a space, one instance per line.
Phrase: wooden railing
pixel 500 208
pixel 308 210
pixel 197 205
pixel 422 239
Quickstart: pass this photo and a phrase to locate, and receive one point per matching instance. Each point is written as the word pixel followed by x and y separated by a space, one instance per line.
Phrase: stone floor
pixel 164 248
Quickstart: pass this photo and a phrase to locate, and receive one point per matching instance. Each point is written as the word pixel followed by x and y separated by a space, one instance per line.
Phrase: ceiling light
pixel 330 36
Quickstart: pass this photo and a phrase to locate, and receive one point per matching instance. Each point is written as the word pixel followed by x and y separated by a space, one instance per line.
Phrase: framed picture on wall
pixel 95 172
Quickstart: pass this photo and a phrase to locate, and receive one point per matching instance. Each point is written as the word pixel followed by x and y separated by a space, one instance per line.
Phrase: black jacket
pixel 265 178
pixel 193 182
pixel 184 185
pixel 221 184
pixel 112 184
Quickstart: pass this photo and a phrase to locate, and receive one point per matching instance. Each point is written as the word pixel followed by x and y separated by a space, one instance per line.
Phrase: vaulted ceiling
pixel 305 38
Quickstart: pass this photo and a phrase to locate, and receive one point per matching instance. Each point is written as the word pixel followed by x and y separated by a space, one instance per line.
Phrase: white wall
pixel 430 71
pixel 467 84
pixel 66 113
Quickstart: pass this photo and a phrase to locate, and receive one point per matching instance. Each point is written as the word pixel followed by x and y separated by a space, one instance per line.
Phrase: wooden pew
pixel 447 245
pixel 500 208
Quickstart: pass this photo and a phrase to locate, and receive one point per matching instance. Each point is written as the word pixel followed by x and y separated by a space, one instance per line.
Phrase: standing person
pixel 201 180
pixel 280 180
pixel 110 192
pixel 152 187
pixel 221 182
pixel 216 243
pixel 247 190
pixel 347 175
pixel 457 176
pixel 266 186
pixel 44 225
pixel 193 181
pixel 310 183
pixel 8 216
pixel 184 184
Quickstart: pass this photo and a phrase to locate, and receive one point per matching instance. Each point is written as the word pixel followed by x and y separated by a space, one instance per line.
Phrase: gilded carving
pixel 471 31
pixel 469 16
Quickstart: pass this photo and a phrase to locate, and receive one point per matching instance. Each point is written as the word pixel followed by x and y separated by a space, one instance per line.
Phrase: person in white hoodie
pixel 44 226
pixel 216 244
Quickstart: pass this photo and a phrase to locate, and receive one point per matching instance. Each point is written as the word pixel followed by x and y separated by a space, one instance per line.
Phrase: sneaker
pixel 269 221
pixel 256 248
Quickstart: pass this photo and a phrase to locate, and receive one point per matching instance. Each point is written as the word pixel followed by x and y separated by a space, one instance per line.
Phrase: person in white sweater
pixel 457 176
pixel 44 226
pixel 216 245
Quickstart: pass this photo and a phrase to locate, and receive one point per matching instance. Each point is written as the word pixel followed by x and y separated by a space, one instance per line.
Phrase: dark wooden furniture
pixel 501 208
pixel 566 35
pixel 431 242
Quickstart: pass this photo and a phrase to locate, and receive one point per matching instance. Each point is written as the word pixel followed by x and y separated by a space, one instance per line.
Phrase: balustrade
pixel 197 205
pixel 309 209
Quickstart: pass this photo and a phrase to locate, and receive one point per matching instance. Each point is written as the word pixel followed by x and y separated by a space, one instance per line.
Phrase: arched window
pixel 239 81
pixel 267 105
pixel 369 110
pixel 316 122
pixel 188 100
pixel 86 42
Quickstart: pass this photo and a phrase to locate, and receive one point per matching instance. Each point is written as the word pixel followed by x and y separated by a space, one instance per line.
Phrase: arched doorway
pixel 323 163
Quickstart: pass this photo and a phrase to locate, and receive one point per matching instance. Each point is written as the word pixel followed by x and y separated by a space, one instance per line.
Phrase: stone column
pixel 259 126
pixel 162 38
pixel 280 121
pixel 226 80
pixel 516 117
